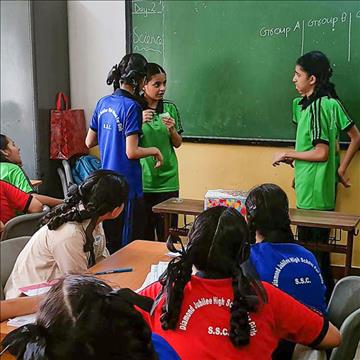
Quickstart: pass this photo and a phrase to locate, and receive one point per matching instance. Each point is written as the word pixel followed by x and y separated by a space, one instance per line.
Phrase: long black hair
pixel 83 318
pixel 4 143
pixel 267 211
pixel 316 63
pixel 131 70
pixel 218 247
pixel 100 193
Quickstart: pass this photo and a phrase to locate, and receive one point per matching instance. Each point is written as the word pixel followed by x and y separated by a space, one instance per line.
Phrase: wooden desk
pixel 139 255
pixel 313 218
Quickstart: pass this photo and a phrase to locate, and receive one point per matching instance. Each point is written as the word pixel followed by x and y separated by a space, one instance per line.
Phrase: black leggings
pixel 155 222
pixel 321 236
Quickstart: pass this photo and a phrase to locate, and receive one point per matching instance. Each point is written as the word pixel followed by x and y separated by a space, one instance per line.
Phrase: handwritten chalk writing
pixel 358 14
pixel 146 49
pixel 275 31
pixel 324 21
pixel 146 38
pixel 139 10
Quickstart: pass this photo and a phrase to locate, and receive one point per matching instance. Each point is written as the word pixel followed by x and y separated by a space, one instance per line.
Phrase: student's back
pixel 293 269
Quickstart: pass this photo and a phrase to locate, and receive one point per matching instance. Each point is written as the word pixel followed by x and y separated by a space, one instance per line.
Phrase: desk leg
pixel 349 250
pixel 167 218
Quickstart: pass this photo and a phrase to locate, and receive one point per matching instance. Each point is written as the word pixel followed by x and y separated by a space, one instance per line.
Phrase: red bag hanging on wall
pixel 68 131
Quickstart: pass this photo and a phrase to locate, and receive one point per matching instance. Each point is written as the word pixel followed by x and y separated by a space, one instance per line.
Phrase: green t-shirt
pixel 155 133
pixel 15 175
pixel 319 122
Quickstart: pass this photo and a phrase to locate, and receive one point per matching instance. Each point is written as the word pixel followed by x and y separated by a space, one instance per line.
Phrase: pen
pixel 114 271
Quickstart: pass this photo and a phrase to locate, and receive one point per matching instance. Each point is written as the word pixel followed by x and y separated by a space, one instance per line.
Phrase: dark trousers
pixel 129 226
pixel 321 236
pixel 155 222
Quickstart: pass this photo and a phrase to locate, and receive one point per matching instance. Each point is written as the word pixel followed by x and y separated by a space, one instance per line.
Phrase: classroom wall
pixel 202 166
pixel 17 80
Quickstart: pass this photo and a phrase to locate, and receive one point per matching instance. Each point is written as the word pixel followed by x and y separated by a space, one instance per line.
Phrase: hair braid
pixel 243 303
pixel 174 280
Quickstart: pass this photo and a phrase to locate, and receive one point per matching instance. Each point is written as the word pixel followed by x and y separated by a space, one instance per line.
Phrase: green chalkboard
pixel 230 63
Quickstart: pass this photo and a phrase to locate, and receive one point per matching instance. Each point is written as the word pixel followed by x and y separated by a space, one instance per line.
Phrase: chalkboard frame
pixel 205 139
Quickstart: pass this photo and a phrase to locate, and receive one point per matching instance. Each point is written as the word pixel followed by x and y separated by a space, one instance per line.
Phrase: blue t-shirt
pixel 163 349
pixel 293 269
pixel 115 117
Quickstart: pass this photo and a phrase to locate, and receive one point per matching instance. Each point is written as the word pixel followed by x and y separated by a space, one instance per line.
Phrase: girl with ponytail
pixel 116 128
pixel 222 309
pixel 320 117
pixel 84 318
pixel 277 258
pixel 73 238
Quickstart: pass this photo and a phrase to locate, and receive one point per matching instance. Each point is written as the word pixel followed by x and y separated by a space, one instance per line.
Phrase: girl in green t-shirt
pixel 162 129
pixel 319 116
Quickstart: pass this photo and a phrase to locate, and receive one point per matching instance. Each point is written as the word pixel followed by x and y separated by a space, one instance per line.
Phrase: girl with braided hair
pixel 116 128
pixel 83 318
pixel 73 238
pixel 320 117
pixel 223 310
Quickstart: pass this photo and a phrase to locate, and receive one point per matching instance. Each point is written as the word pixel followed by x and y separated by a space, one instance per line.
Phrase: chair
pixel 65 176
pixel 9 251
pixel 23 225
pixel 344 299
pixel 344 312
pixel 350 331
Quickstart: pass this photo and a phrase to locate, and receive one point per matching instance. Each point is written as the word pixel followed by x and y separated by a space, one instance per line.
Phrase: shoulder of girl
pixel 169 103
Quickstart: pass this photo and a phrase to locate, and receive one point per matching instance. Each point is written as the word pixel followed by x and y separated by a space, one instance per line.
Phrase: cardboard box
pixel 230 198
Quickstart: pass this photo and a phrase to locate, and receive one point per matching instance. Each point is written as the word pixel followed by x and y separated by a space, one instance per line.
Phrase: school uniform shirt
pixel 319 122
pixel 12 200
pixel 116 117
pixel 163 349
pixel 50 254
pixel 155 133
pixel 202 331
pixel 293 269
pixel 15 175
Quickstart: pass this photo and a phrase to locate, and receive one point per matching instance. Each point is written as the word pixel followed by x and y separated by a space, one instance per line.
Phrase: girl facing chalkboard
pixel 161 129
pixel 319 116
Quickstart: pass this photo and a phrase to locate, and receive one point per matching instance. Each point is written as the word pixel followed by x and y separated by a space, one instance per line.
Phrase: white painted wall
pixel 17 81
pixel 96 43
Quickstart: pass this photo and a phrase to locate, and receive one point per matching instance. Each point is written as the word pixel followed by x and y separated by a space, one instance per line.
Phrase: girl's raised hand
pixel 147 115
pixel 169 123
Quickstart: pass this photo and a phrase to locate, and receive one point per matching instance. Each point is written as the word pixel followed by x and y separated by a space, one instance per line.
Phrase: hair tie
pixel 111 75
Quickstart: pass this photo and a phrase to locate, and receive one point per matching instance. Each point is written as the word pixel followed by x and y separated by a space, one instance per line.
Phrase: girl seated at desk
pixel 222 309
pixel 11 171
pixel 83 318
pixel 73 238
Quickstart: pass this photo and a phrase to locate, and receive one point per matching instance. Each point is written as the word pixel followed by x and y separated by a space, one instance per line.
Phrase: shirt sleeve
pixel 94 120
pixel 133 121
pixel 18 199
pixel 319 123
pixel 295 110
pixel 150 291
pixel 176 115
pixel 20 180
pixel 343 118
pixel 294 321
pixel 69 253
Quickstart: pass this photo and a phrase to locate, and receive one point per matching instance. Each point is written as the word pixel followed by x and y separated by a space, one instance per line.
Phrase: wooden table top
pixel 315 218
pixel 139 255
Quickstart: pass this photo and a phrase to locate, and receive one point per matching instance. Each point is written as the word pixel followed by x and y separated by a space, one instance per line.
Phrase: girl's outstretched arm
pixel 19 306
pixel 354 136
pixel 318 154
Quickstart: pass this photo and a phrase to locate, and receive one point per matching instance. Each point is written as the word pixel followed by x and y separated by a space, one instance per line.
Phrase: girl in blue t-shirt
pixel 116 127
pixel 277 258
pixel 84 318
